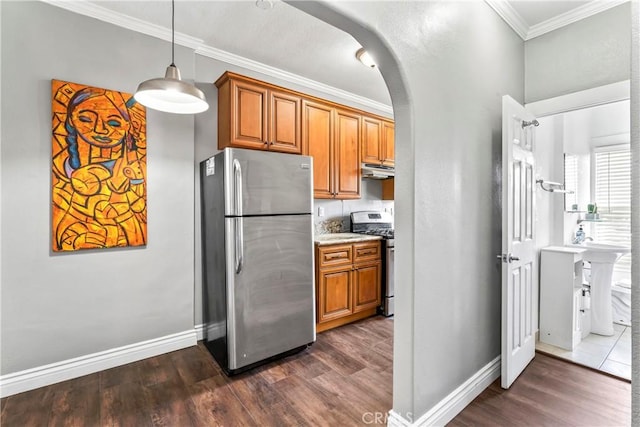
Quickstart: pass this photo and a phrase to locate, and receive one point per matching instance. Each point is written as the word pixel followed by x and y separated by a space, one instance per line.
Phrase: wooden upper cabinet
pixel 347 149
pixel 332 137
pixel 255 115
pixel 317 140
pixel 284 129
pixel 244 108
pixel 261 116
pixel 388 156
pixel 378 141
pixel 371 140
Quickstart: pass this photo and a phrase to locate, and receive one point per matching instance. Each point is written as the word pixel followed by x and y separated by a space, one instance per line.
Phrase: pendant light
pixel 170 94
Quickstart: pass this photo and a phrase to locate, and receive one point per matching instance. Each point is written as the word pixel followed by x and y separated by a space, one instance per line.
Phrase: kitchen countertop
pixel 338 238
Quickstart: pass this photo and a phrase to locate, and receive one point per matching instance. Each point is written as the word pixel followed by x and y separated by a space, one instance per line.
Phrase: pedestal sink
pixel 602 257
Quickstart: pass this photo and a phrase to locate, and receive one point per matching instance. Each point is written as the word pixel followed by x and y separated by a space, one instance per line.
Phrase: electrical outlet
pixel 320 211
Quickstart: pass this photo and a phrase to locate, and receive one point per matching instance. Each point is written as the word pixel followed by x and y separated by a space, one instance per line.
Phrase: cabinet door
pixel 334 293
pixel 371 140
pixel 388 144
pixel 284 129
pixel 317 131
pixel 248 115
pixel 366 292
pixel 347 146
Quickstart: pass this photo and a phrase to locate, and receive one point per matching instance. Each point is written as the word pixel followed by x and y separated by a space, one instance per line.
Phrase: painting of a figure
pixel 98 168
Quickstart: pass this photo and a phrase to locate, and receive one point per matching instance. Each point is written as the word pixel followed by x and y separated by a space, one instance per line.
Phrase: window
pixel 612 189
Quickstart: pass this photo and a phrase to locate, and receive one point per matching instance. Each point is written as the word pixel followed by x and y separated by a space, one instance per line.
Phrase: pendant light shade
pixel 170 94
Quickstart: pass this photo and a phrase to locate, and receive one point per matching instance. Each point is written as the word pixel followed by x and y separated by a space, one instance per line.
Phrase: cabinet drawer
pixel 367 251
pixel 334 255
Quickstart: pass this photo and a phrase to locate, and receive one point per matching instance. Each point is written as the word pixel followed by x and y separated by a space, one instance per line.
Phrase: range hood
pixel 373 171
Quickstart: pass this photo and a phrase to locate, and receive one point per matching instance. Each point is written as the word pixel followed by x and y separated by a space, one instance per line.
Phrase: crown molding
pixel 125 21
pixel 250 64
pixel 582 12
pixel 103 14
pixel 515 21
pixel 510 16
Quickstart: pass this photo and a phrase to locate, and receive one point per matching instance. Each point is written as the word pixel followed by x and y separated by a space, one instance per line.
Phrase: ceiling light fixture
pixel 364 57
pixel 170 94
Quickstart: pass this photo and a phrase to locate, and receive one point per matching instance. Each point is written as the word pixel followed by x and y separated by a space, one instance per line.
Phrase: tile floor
pixel 610 354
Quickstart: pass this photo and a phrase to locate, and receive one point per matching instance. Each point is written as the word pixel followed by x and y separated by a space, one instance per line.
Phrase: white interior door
pixel 519 270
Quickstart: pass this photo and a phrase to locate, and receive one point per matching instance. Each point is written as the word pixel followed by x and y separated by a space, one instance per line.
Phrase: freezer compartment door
pixel 270 289
pixel 266 183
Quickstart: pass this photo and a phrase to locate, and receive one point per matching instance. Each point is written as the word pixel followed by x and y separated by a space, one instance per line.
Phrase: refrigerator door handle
pixel 239 235
pixel 237 187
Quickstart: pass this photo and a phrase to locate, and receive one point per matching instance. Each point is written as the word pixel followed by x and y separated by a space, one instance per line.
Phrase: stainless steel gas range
pixel 380 224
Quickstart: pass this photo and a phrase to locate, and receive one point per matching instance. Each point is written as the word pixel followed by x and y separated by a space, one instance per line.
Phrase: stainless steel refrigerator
pixel 258 273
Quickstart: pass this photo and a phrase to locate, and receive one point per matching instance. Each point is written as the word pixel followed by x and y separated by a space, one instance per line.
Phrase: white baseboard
pixel 455 402
pixel 199 331
pixel 41 376
pixel 215 330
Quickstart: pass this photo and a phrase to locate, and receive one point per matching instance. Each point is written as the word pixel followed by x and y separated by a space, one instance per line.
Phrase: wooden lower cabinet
pixel 366 286
pixel 348 280
pixel 335 289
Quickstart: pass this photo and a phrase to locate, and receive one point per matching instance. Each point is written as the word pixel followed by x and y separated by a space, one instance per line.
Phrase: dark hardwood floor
pixel 345 374
pixel 343 380
pixel 552 392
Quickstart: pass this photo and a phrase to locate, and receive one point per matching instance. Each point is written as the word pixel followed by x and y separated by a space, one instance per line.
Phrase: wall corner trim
pixel 445 410
pixel 41 376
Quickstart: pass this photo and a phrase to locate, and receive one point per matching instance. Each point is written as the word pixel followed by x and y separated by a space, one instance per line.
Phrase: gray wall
pixel 56 307
pixel 589 53
pixel 447 65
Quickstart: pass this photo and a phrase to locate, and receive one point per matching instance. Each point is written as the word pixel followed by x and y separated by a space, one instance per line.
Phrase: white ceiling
pixel 290 41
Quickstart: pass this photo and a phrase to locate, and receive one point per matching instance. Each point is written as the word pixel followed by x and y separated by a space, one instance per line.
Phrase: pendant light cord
pixel 173 32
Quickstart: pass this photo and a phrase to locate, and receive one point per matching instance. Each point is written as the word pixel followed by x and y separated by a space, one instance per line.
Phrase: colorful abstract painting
pixel 98 168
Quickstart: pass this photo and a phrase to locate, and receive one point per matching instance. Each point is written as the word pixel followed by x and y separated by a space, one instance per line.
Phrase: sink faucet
pixel 589 238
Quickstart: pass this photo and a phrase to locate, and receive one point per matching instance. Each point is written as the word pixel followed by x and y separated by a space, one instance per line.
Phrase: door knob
pixel 508 258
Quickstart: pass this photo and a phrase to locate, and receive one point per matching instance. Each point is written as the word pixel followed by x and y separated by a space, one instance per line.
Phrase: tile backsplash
pixel 337 213
pixel 328 226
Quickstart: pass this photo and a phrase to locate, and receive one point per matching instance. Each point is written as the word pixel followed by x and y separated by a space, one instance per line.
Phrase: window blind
pixel 612 167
